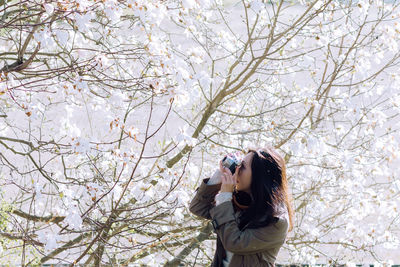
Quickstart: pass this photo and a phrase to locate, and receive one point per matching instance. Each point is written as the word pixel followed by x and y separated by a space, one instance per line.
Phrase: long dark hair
pixel 269 189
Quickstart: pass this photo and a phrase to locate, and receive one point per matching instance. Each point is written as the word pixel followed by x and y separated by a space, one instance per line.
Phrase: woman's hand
pixel 228 180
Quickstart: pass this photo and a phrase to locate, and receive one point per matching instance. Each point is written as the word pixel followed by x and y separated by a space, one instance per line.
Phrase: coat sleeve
pixel 204 199
pixel 248 241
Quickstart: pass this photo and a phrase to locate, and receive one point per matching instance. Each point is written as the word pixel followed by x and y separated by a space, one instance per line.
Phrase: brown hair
pixel 267 162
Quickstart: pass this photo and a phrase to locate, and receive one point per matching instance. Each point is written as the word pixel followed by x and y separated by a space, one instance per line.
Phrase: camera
pixel 231 161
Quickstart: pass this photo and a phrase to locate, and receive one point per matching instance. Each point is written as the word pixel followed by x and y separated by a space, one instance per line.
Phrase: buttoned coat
pixel 250 247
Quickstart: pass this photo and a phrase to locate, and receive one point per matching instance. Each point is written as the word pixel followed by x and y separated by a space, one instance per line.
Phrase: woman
pixel 253 209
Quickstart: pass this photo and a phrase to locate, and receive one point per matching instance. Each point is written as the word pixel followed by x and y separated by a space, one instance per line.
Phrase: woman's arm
pixel 202 202
pixel 222 197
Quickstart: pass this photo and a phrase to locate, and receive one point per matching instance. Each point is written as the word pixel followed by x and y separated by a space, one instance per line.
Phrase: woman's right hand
pixel 228 180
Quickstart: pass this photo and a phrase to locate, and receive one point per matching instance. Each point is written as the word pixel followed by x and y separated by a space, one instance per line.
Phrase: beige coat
pixel 250 247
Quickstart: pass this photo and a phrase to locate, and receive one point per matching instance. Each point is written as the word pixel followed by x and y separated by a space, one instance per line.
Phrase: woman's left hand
pixel 228 180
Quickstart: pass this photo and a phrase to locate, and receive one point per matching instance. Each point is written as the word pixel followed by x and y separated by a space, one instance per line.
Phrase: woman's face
pixel 243 174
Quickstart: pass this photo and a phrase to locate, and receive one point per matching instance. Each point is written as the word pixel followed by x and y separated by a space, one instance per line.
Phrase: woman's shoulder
pixel 281 221
pixel 283 216
pixel 279 224
pixel 273 231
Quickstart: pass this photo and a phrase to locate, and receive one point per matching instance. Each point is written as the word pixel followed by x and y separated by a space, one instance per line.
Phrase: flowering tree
pixel 113 111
